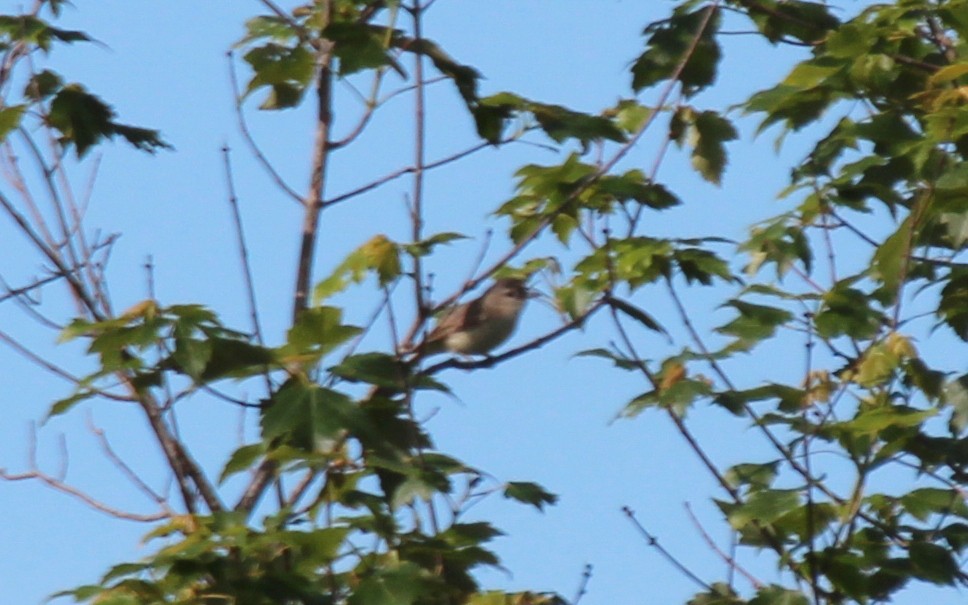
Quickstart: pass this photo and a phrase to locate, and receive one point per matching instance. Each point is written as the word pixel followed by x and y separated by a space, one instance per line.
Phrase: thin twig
pixel 250 140
pixel 77 289
pixel 37 359
pixel 87 499
pixel 34 473
pixel 244 261
pixel 370 106
pixel 586 576
pixel 728 559
pixel 123 466
pixel 22 291
pixel 419 158
pixel 654 542
pixel 403 172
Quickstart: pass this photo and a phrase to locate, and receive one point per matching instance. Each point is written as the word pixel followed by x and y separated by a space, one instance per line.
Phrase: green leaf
pixel 32 30
pixel 777 595
pixel 62 406
pixel 718 594
pixel 373 368
pixel 843 569
pixel 790 399
pixel 318 330
pixel 192 356
pixel 558 122
pixel 378 254
pixel 575 299
pixel 847 311
pixel 426 245
pixel 124 569
pixel 359 46
pixel 468 534
pixel 707 135
pixel 42 85
pixel 956 535
pixel 873 421
pixel 242 459
pixel 401 584
pixel 308 416
pixel 807 22
pixel 416 487
pixel 529 493
pixel 762 507
pixel 637 314
pixel 956 228
pixel 561 123
pixel 933 563
pixel 953 305
pixel 882 360
pixel 637 260
pixel 780 243
pixel 464 77
pixel 84 120
pixel 807 521
pixel 924 502
pixel 321 546
pixel 630 115
pixel 620 361
pixel 891 257
pixel 755 476
pixel 702 266
pixel 754 323
pixel 268 26
pixel 286 70
pixel 679 395
pixel 236 358
pixel 10 117
pixel 673 50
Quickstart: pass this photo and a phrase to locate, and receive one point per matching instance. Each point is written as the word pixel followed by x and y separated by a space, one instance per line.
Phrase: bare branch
pixel 77 289
pixel 383 180
pixel 244 257
pixel 124 468
pixel 730 561
pixel 250 140
pixel 654 542
pixel 419 152
pixel 23 291
pixel 370 104
pixel 313 202
pixel 37 359
pixel 586 576
pixel 83 497
pixel 34 473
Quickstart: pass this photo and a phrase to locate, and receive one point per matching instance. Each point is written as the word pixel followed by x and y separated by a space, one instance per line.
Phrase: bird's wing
pixel 473 313
pixel 467 316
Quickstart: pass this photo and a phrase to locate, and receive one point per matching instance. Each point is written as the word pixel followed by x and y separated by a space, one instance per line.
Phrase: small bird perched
pixel 476 327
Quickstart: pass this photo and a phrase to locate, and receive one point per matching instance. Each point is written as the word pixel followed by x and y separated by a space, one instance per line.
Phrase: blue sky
pixel 546 417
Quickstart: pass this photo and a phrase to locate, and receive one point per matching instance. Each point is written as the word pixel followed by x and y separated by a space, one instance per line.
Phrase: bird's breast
pixel 482 338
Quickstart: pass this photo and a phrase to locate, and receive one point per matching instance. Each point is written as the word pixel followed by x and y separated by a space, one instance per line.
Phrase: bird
pixel 478 326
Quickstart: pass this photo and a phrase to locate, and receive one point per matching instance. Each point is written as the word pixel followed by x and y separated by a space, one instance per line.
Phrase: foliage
pixel 378 514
